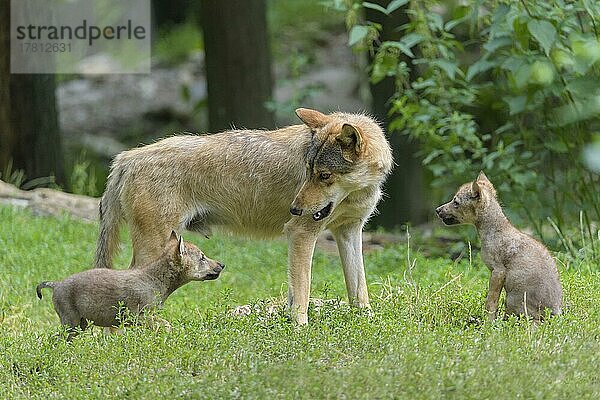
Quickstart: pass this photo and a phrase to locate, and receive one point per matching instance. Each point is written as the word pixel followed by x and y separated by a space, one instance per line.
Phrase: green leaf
pixel 516 104
pixel 437 169
pixel 521 33
pixel 436 22
pixel 357 33
pixel 420 84
pixel 499 20
pixel 450 68
pixel 497 42
pixel 557 147
pixel 512 64
pixel 396 4
pixel 452 23
pixel 521 76
pixel 544 32
pixel 412 39
pixel 401 46
pixel 376 7
pixel 479 67
pixel 386 64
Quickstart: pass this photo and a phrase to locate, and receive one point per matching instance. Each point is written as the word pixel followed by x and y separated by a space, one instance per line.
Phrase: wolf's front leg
pixel 496 284
pixel 301 246
pixel 349 241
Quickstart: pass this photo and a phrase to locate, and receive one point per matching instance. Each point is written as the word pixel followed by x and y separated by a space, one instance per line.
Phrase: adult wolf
pixel 327 173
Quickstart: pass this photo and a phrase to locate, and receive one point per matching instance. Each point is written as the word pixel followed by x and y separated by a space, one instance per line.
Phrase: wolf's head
pixel 469 202
pixel 190 261
pixel 348 152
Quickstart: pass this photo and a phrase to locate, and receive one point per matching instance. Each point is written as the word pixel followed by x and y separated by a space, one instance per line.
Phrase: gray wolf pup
pixel 327 173
pixel 519 263
pixel 96 294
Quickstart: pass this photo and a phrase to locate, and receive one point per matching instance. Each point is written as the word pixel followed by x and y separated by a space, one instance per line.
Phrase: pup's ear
pixel 312 118
pixel 475 190
pixel 351 141
pixel 172 247
pixel 482 178
pixel 181 247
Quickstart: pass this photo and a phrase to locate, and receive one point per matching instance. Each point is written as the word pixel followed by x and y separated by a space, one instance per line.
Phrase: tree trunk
pixel 6 135
pixel 172 12
pixel 238 63
pixel 29 131
pixel 405 201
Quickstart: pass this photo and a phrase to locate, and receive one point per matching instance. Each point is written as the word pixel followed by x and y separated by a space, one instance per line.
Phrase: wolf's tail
pixel 42 285
pixel 110 217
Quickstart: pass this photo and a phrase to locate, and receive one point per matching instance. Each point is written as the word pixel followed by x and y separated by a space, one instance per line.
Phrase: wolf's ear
pixel 482 178
pixel 312 118
pixel 351 141
pixel 475 190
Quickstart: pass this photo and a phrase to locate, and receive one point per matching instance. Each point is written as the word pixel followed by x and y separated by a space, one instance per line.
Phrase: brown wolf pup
pixel 96 294
pixel 519 263
pixel 327 173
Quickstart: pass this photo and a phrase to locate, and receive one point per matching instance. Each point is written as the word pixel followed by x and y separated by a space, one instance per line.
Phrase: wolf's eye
pixel 324 176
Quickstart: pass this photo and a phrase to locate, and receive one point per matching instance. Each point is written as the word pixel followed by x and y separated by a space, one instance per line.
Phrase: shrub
pixel 510 87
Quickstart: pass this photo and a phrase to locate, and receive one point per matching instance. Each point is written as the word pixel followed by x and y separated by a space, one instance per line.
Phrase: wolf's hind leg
pixel 71 321
pixel 349 241
pixel 149 234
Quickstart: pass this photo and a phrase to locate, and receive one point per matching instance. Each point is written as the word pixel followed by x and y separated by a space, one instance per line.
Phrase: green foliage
pixel 14 177
pixel 297 30
pixel 18 178
pixel 425 339
pixel 83 177
pixel 510 87
pixel 175 43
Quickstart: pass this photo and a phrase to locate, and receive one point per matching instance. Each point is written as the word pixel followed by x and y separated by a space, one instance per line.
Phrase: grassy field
pixel 423 341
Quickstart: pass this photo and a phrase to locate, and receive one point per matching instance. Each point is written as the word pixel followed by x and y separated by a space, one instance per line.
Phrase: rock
pixel 103 145
pixel 121 106
pixel 114 105
pixel 50 202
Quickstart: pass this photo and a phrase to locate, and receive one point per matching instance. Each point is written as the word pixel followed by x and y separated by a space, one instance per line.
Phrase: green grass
pixel 422 341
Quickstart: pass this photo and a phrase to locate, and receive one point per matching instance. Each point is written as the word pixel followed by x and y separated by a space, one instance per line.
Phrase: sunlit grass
pixel 425 338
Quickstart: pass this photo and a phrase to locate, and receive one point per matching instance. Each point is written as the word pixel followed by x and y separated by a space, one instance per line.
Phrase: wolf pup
pixel 96 294
pixel 519 264
pixel 327 173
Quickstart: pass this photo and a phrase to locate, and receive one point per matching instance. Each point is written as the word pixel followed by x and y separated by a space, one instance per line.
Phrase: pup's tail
pixel 110 216
pixel 42 285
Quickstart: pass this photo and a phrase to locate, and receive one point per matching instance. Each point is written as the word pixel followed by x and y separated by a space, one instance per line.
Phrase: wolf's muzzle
pixel 323 213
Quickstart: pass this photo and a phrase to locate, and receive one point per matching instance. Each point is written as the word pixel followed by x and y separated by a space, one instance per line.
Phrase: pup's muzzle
pixel 447 219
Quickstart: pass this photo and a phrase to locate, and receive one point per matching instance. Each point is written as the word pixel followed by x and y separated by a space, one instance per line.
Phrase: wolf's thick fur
pixel 96 294
pixel 327 172
pixel 518 263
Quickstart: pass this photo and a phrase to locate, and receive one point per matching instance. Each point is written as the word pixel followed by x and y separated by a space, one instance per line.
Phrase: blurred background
pixel 508 87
